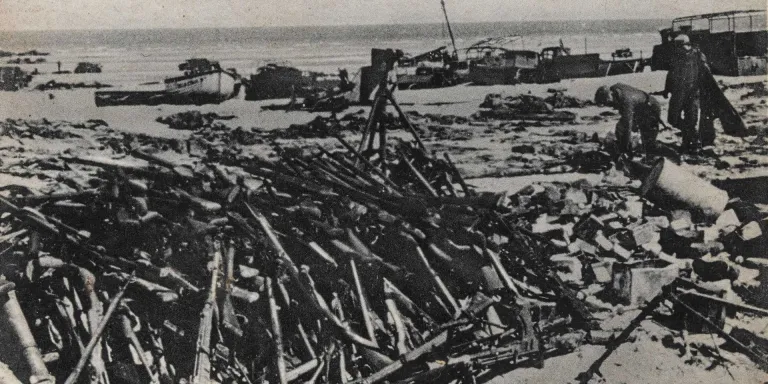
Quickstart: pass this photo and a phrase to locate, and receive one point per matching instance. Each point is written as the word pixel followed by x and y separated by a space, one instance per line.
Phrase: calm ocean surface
pixel 137 56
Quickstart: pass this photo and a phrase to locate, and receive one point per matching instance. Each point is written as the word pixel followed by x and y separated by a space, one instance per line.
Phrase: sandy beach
pixel 483 151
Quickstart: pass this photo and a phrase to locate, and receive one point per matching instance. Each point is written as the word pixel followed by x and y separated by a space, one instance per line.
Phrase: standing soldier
pixel 684 83
pixel 639 112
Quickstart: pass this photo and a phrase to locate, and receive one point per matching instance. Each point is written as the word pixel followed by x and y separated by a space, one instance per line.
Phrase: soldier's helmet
pixel 603 95
pixel 682 39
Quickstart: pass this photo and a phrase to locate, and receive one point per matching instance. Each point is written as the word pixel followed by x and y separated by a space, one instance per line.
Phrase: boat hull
pixel 552 71
pixel 215 86
pixel 197 89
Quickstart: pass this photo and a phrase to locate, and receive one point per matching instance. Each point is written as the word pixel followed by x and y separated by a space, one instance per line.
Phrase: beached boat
pixel 501 60
pixel 432 69
pixel 558 63
pixel 275 81
pixel 203 82
pixel 504 60
pixel 735 42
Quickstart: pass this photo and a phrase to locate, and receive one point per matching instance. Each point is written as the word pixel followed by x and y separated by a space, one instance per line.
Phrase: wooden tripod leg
pixel 383 146
pixel 372 119
pixel 405 121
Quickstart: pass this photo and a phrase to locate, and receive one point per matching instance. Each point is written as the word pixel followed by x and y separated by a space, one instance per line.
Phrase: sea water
pixel 132 57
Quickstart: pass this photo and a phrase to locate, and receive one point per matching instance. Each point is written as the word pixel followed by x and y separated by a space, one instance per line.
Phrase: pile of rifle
pixel 317 269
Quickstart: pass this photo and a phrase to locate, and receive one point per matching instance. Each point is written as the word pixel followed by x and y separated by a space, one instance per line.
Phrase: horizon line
pixel 317 25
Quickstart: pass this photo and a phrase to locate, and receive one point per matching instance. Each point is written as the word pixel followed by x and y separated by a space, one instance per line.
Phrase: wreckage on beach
pixel 366 264
pixel 13 78
pixel 203 82
pixel 505 60
pixel 735 42
pixel 432 69
pixel 276 81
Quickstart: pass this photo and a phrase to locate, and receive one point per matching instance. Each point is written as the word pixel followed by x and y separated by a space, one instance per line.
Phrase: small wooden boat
pixel 203 82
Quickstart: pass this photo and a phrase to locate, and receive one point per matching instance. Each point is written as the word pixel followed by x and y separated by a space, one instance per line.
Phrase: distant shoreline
pixel 342 26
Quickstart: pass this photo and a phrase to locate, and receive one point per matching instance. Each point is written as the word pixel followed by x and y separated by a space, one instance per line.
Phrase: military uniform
pixel 639 112
pixel 683 81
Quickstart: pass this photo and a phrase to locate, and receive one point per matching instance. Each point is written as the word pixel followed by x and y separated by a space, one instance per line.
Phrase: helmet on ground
pixel 682 39
pixel 603 95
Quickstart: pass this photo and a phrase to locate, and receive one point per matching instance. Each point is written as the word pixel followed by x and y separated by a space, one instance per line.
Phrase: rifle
pixel 56 228
pixel 309 294
pixel 202 371
pixel 15 317
pixel 96 335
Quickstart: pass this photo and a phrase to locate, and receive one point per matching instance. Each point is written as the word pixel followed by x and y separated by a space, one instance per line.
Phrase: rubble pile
pixel 522 107
pixel 343 266
pixel 604 234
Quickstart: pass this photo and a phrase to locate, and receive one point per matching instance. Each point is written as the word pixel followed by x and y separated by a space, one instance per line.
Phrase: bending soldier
pixel 639 112
pixel 684 83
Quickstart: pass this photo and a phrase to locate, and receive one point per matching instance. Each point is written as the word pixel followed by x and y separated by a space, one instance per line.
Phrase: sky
pixel 111 14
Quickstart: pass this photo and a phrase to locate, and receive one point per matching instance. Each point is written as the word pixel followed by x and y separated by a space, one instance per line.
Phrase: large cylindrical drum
pixel 671 185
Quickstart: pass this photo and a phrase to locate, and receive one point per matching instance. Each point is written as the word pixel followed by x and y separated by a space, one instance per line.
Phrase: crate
pixel 635 283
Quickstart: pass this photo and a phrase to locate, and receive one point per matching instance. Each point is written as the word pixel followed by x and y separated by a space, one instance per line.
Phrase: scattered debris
pixel 559 99
pixel 358 265
pixel 192 120
pixel 521 107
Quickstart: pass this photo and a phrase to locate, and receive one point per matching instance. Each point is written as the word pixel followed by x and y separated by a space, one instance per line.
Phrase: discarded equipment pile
pixel 529 108
pixel 326 268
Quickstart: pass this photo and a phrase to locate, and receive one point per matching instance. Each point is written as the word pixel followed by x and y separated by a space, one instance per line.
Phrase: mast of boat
pixel 450 32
